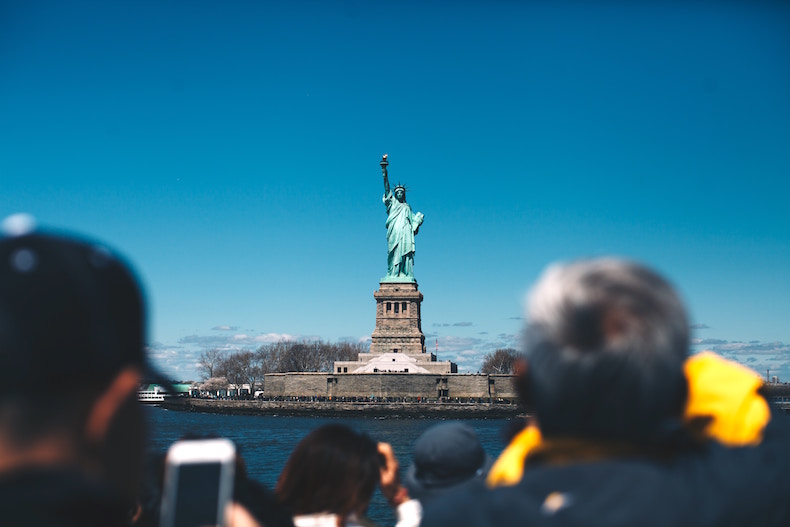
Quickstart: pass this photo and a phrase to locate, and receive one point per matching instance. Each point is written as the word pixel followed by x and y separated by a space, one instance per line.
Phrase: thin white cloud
pixel 268 338
pixel 768 359
pixel 468 352
pixel 232 341
pixel 205 341
pixel 453 343
pixel 709 342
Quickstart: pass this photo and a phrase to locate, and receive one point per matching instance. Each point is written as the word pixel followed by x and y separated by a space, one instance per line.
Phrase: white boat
pixel 151 394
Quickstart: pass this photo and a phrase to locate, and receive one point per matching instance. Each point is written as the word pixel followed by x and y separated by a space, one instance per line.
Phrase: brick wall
pixel 389 385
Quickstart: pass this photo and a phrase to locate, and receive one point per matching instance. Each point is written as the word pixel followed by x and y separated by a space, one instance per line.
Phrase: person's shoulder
pixel 478 506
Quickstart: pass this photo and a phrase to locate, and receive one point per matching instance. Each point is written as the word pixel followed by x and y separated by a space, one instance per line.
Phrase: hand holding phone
pixel 198 484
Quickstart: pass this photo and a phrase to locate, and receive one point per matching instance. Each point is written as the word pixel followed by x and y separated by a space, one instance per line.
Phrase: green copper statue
pixel 402 225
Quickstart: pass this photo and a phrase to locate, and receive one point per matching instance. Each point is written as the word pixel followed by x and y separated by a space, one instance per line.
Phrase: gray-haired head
pixel 606 341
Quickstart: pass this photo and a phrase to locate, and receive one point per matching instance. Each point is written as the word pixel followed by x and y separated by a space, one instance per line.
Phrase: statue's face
pixel 400 194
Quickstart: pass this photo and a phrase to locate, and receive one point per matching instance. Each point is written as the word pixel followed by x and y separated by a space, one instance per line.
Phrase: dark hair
pixel 606 343
pixel 69 309
pixel 333 469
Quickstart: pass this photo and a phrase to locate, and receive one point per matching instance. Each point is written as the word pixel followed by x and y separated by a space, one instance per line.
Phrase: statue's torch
pixel 384 164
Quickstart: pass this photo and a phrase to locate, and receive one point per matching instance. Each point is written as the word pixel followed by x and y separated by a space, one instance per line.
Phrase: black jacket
pixel 708 486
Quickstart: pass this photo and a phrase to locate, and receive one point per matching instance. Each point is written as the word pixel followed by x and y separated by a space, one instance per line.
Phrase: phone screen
pixel 198 483
pixel 197 497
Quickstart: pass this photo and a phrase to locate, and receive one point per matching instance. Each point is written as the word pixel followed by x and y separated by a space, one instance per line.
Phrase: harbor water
pixel 265 442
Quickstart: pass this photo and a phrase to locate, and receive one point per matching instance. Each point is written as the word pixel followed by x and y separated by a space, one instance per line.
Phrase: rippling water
pixel 265 442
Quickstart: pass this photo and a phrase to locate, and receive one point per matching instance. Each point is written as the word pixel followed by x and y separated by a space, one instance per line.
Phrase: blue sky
pixel 230 150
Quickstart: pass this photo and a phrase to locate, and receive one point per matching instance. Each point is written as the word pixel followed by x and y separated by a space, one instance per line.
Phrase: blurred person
pixel 627 429
pixel 330 477
pixel 446 456
pixel 72 434
pixel 72 336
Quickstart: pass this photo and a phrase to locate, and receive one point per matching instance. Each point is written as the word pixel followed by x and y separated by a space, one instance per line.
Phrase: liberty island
pixel 397 376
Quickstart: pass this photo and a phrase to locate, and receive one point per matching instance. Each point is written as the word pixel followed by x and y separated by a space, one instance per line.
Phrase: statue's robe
pixel 401 225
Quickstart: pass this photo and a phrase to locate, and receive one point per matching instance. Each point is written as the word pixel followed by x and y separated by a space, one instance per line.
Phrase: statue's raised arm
pixel 384 164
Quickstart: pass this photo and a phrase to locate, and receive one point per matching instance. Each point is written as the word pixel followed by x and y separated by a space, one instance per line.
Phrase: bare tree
pixel 306 355
pixel 209 360
pixel 348 351
pixel 234 369
pixel 501 361
pixel 300 356
pixel 250 369
pixel 270 356
pixel 242 367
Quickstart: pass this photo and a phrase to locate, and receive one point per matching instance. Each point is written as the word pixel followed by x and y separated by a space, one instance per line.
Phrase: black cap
pixel 446 456
pixel 71 311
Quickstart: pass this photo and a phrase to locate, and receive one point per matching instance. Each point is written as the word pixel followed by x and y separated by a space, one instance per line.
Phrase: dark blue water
pixel 266 442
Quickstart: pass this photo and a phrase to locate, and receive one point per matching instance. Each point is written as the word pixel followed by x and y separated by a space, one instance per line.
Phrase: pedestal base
pixel 398 319
pixel 398 343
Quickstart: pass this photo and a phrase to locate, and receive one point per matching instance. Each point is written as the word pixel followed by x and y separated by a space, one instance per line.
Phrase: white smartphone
pixel 198 484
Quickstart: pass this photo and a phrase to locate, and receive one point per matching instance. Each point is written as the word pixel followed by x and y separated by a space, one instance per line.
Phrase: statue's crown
pixel 399 186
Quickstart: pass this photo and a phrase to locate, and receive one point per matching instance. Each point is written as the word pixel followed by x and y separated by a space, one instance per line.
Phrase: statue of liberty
pixel 402 226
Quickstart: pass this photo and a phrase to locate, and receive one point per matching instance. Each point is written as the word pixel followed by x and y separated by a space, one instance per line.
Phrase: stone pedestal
pixel 398 343
pixel 398 323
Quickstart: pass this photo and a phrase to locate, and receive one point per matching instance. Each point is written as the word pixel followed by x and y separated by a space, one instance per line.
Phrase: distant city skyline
pixel 231 153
